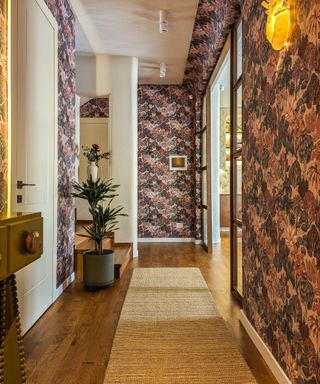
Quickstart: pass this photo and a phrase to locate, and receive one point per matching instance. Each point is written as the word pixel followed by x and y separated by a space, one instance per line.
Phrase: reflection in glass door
pixel 236 163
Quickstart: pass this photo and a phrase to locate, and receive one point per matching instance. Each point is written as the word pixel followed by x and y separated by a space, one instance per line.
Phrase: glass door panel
pixel 238 182
pixel 238 232
pixel 204 187
pixel 205 227
pixel 239 117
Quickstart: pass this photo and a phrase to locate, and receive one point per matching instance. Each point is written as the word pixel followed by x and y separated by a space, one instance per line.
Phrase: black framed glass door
pixel 236 162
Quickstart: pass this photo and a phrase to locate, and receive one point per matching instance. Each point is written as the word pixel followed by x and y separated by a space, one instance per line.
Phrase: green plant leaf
pixel 104 219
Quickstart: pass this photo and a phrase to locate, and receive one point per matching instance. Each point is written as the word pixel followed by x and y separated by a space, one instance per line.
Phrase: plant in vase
pixel 94 156
pixel 98 263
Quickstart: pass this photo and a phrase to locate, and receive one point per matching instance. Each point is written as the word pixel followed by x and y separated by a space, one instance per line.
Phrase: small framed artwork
pixel 178 163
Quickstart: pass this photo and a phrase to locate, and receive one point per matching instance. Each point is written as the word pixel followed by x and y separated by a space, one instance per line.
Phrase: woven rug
pixel 170 332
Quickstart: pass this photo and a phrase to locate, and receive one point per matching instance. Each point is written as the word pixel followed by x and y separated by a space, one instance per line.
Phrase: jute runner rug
pixel 170 332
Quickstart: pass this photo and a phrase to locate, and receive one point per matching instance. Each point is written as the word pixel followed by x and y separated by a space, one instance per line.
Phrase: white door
pixel 34 121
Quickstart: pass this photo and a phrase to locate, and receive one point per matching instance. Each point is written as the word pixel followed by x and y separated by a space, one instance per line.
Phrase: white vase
pixel 92 171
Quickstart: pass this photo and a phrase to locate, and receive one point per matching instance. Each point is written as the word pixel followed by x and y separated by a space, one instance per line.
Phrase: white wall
pixel 124 80
pixel 86 76
pixel 117 76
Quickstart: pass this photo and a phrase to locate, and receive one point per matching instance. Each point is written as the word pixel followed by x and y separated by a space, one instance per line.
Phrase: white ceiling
pixel 131 28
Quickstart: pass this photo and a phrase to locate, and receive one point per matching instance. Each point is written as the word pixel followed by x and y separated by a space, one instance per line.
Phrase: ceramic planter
pixel 92 170
pixel 98 270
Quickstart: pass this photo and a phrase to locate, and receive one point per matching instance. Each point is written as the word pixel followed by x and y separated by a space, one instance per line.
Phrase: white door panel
pixel 34 119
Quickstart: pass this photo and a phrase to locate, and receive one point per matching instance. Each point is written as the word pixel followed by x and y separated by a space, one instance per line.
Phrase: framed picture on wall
pixel 178 163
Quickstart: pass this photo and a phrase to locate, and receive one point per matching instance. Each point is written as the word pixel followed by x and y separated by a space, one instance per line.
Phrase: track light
pixel 162 67
pixel 163 70
pixel 164 23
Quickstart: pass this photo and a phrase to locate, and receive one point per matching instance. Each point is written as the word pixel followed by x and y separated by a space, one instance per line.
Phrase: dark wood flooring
pixel 71 343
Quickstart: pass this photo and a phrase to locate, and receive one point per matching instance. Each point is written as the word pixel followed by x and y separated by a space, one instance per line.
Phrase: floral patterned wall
pixel 3 104
pixel 281 191
pixel 97 107
pixel 66 135
pixel 212 25
pixel 165 128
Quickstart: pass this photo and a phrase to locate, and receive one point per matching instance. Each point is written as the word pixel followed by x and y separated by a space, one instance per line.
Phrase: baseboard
pixel 64 285
pixel 168 240
pixel 268 357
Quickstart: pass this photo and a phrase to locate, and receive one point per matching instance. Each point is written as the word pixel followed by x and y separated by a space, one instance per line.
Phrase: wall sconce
pixel 278 23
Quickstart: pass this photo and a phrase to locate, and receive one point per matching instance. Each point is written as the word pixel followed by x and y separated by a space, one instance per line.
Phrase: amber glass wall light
pixel 278 22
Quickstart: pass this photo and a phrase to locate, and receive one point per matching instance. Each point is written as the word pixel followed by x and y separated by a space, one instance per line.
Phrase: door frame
pixel 235 84
pixel 226 49
pixel 13 122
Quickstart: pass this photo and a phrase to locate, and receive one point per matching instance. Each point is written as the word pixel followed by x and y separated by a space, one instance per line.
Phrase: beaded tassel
pixel 18 326
pixel 3 293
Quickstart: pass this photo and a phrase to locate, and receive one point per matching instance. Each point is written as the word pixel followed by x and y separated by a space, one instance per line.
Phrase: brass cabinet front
pixel 18 254
pixel 3 253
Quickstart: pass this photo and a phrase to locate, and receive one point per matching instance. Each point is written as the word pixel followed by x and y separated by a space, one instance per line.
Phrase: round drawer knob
pixel 33 242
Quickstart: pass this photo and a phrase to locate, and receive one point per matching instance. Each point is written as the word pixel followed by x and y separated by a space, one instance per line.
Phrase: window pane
pixel 238 233
pixel 204 187
pixel 239 50
pixel 238 207
pixel 205 226
pixel 239 117
pixel 204 148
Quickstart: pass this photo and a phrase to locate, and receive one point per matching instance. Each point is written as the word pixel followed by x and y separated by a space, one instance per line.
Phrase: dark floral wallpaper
pixel 66 135
pixel 3 105
pixel 281 188
pixel 212 25
pixel 165 128
pixel 97 107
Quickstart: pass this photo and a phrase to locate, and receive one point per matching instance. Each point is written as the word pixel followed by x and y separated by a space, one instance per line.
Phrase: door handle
pixel 20 184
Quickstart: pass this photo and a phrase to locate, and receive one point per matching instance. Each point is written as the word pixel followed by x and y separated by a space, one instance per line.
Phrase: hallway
pixel 72 341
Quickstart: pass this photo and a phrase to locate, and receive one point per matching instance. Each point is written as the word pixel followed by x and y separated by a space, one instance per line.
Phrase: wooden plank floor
pixel 71 343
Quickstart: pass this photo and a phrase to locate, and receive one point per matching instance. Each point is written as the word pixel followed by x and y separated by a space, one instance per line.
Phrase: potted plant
pixel 98 263
pixel 94 156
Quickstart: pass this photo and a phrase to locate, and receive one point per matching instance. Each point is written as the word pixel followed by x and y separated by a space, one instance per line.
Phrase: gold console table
pixel 21 243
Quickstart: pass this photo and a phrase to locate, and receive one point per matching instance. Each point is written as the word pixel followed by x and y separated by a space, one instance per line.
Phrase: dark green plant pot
pixel 98 270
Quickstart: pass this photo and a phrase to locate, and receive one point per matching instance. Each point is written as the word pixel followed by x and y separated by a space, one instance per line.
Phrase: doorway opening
pixel 93 122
